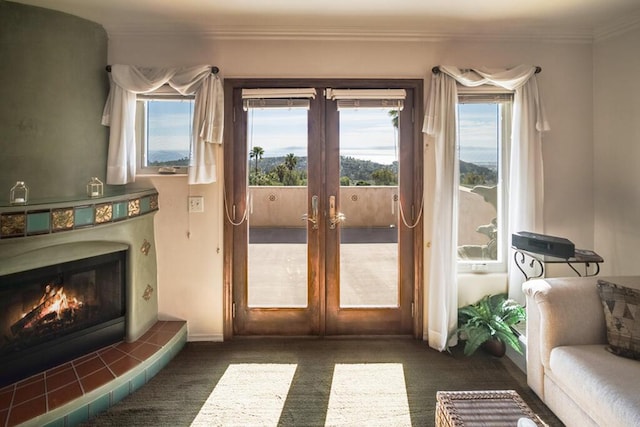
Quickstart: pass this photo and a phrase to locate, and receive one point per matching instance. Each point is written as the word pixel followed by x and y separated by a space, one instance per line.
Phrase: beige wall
pixel 190 269
pixel 617 152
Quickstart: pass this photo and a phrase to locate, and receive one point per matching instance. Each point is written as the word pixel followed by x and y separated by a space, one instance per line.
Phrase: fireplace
pixel 52 314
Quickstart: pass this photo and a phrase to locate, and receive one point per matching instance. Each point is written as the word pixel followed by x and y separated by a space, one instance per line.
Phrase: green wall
pixel 53 87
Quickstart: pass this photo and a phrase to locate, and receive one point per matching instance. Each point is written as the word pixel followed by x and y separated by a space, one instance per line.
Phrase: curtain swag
pixel 525 181
pixel 119 113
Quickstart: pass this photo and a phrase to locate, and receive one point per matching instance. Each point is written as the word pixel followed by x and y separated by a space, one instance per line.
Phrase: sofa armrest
pixel 560 311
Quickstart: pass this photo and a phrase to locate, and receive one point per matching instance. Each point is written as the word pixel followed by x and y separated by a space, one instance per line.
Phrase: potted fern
pixel 487 324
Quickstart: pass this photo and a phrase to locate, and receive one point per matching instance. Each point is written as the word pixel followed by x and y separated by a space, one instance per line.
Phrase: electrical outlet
pixel 196 204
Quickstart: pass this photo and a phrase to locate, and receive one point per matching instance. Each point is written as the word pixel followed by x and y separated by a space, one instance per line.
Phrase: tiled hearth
pixel 75 391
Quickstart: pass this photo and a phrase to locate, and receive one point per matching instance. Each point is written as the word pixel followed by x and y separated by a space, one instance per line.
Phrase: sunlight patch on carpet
pixel 248 394
pixel 368 394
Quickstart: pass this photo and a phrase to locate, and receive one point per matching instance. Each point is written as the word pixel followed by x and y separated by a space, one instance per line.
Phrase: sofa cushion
pixel 622 315
pixel 603 385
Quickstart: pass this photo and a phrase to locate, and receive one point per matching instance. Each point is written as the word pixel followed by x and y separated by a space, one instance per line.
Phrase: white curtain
pixel 440 123
pixel 120 109
pixel 525 181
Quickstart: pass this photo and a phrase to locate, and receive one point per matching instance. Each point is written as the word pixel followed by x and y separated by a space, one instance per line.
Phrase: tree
pixel 257 154
pixel 394 114
pixel 384 176
pixel 290 161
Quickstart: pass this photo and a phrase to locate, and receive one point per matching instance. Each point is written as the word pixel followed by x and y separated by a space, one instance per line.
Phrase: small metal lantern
pixel 19 194
pixel 95 188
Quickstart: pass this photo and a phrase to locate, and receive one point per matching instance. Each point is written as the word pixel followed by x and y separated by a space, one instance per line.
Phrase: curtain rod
pixel 436 69
pixel 214 69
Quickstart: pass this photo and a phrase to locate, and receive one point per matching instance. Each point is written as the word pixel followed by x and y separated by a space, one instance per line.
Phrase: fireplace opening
pixel 53 314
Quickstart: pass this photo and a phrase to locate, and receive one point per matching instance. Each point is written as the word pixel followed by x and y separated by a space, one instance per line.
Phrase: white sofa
pixel 568 365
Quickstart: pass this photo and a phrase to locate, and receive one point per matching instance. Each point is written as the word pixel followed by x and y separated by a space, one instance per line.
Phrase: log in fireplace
pixel 52 314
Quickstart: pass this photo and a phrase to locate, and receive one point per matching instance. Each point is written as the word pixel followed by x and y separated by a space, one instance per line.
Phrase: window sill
pixel 161 175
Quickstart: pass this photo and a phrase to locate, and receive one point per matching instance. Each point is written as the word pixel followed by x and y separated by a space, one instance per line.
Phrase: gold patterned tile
pixel 134 207
pixel 148 291
pixel 13 224
pixel 62 219
pixel 104 213
pixel 146 247
pixel 153 203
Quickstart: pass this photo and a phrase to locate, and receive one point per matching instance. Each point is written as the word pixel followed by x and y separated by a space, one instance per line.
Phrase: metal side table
pixel 583 259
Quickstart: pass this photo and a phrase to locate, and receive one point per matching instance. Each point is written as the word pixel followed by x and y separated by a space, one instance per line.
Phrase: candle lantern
pixel 19 194
pixel 95 188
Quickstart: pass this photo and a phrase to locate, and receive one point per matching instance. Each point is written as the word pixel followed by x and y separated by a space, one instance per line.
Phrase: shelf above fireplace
pixel 55 216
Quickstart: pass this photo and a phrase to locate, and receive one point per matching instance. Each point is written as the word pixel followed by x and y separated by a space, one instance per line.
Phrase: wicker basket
pixel 482 408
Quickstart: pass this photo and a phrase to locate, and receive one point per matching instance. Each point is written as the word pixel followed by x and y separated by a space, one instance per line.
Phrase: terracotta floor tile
pixel 60 379
pixel 59 368
pixel 172 326
pixel 29 391
pixel 63 395
pixel 147 335
pixel 161 338
pixel 95 380
pixel 89 366
pixel 123 365
pixel 21 413
pixel 6 397
pixel 145 350
pixel 128 347
pixel 84 358
pixel 62 385
pixel 31 379
pixel 157 326
pixel 110 355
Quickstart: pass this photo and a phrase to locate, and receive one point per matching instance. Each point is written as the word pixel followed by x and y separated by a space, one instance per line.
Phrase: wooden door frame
pixel 232 173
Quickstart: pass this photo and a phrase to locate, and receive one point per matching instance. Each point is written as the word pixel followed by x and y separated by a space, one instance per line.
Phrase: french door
pixel 323 195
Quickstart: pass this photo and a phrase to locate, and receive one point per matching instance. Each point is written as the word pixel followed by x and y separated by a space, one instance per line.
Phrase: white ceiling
pixel 547 19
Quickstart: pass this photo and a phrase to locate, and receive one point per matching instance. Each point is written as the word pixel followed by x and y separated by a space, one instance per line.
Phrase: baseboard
pixel 520 360
pixel 212 338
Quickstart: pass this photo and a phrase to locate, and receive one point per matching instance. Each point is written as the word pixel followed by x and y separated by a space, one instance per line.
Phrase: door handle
pixel 334 218
pixel 313 219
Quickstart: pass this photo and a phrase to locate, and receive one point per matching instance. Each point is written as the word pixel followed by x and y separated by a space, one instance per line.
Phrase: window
pixel 163 128
pixel 484 131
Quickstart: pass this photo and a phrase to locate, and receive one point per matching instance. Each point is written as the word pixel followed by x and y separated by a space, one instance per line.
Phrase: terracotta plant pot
pixel 495 347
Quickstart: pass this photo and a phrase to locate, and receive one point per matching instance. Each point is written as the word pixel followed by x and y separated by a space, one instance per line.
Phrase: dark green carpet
pixel 178 393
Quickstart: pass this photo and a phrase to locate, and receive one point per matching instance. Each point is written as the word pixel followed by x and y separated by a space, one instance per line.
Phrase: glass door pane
pixel 277 169
pixel 368 199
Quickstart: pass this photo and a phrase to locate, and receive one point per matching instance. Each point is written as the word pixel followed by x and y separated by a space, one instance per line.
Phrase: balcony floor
pixel 368 276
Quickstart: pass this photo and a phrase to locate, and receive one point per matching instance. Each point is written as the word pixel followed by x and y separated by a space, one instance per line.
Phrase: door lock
pixel 313 219
pixel 334 218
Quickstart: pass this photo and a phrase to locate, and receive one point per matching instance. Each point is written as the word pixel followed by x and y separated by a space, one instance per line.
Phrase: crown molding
pixel 617 27
pixel 234 32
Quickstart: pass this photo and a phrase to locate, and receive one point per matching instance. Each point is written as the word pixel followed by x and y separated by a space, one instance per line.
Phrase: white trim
pixel 205 338
pixel 376 94
pixel 279 93
pixel 583 35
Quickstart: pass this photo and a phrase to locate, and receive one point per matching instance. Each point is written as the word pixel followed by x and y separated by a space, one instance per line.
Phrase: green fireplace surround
pixel 53 232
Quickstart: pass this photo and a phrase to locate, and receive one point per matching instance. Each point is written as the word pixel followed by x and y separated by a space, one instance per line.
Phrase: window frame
pixel 165 93
pixel 503 97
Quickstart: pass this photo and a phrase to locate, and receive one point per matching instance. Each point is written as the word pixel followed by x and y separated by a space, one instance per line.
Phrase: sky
pixel 366 134
pixel 478 132
pixel 170 125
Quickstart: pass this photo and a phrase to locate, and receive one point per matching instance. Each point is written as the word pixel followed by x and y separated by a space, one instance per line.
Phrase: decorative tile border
pixel 38 220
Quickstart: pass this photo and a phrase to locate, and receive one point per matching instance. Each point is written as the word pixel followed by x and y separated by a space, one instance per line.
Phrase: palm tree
pixel 290 161
pixel 394 117
pixel 256 153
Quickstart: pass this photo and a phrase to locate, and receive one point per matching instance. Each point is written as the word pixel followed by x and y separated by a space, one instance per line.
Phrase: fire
pixel 53 305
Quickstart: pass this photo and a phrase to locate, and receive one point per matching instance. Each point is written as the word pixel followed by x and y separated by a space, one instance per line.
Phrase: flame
pixel 54 300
